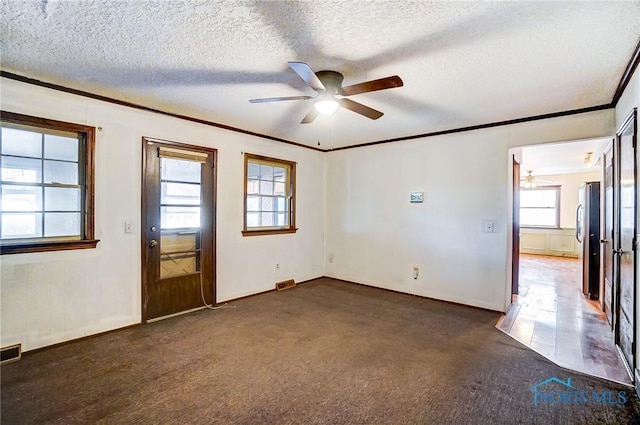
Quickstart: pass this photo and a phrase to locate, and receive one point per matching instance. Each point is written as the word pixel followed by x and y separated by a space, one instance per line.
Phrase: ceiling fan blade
pixel 374 85
pixel 361 109
pixel 278 99
pixel 313 113
pixel 306 73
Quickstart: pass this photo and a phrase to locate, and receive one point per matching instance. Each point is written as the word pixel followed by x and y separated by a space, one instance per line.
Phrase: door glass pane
pixel 180 170
pixel 62 224
pixel 26 170
pixel 173 242
pixel 180 193
pixel 57 147
pixel 21 143
pixel 172 265
pixel 60 172
pixel 180 217
pixel 21 225
pixel 21 198
pixel 61 199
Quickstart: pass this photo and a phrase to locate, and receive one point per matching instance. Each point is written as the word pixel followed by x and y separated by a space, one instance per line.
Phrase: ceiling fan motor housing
pixel 331 80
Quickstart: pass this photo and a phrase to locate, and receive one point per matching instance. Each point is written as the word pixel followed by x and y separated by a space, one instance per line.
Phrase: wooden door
pixel 515 255
pixel 178 228
pixel 626 252
pixel 607 235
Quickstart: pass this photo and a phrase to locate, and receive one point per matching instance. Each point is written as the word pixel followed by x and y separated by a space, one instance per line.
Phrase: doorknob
pixel 603 241
pixel 618 251
pixel 153 243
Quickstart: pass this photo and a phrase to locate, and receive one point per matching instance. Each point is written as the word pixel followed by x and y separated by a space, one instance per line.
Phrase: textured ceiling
pixel 463 63
pixel 562 158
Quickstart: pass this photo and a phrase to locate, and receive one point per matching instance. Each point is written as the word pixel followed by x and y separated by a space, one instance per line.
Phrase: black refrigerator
pixel 588 235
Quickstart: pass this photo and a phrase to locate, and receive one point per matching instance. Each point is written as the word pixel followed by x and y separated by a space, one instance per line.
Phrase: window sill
pixel 18 248
pixel 263 232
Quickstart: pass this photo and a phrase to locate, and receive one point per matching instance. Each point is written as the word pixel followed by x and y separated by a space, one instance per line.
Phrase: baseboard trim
pixel 71 341
pixel 82 338
pixel 267 291
pixel 415 295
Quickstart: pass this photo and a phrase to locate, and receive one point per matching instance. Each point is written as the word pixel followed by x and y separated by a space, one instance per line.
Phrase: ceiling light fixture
pixel 327 106
pixel 529 182
pixel 588 159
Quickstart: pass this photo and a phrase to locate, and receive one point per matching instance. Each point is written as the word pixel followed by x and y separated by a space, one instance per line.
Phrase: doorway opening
pixel 556 290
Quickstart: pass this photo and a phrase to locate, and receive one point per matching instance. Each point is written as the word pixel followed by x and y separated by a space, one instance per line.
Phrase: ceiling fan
pixel 331 95
pixel 530 181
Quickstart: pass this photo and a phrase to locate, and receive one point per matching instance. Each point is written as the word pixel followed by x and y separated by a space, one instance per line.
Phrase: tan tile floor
pixel 552 316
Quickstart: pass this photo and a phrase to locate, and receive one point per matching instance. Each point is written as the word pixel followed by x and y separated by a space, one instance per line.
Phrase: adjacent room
pixel 559 307
pixel 285 212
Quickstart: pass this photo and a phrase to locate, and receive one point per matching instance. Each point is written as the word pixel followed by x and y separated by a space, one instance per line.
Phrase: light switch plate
pixel 489 226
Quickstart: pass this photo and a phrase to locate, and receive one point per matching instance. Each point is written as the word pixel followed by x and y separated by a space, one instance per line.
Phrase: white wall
pixel 52 297
pixel 376 236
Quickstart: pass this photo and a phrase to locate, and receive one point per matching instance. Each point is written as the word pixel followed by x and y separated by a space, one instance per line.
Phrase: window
pixel 46 192
pixel 540 207
pixel 269 201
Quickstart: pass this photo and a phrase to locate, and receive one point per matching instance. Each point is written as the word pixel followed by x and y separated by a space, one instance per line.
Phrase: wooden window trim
pixel 261 231
pixel 558 206
pixel 88 240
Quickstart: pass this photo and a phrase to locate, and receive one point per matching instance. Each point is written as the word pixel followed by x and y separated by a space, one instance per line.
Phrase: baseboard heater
pixel 10 353
pixel 285 284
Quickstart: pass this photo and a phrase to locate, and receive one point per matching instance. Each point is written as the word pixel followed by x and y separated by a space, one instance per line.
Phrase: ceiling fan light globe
pixel 326 107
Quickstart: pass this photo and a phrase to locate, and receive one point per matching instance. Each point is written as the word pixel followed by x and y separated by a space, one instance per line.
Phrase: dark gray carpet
pixel 326 352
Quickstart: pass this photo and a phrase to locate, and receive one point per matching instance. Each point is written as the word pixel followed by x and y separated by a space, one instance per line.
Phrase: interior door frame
pixel 144 223
pixel 617 238
pixel 515 248
pixel 607 239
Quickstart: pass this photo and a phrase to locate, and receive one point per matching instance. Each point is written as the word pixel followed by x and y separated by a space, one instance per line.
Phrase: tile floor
pixel 552 316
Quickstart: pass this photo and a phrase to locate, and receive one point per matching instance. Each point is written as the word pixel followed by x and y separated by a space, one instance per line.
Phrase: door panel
pixel 625 317
pixel 607 237
pixel 178 228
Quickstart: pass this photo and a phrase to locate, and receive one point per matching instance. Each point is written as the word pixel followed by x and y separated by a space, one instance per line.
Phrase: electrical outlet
pixel 331 258
pixel 416 271
pixel 277 266
pixel 128 227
